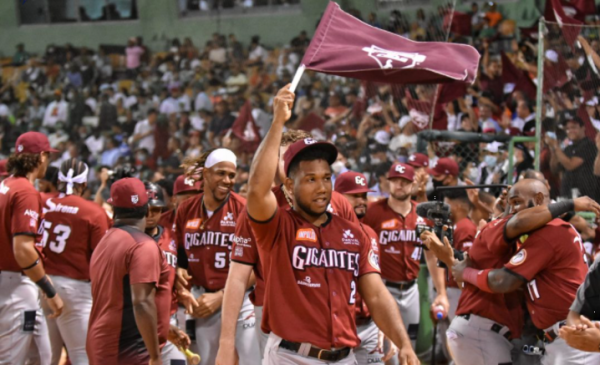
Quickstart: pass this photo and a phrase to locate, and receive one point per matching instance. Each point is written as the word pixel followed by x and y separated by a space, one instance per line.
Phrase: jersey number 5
pixel 62 233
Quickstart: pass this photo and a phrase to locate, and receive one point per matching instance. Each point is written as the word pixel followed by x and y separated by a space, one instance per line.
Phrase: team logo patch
pixel 308 282
pixel 33 223
pixel 20 148
pixel 309 141
pixel 385 58
pixel 306 234
pixel 391 224
pixel 374 245
pixel 392 250
pixel 193 224
pixel 374 260
pixel 360 181
pixel 173 246
pixel 135 199
pixel 348 238
pixel 32 214
pixel 239 251
pixel 519 258
pixel 228 221
pixel 189 182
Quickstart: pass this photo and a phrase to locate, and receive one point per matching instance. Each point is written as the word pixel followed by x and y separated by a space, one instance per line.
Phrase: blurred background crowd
pixel 148 109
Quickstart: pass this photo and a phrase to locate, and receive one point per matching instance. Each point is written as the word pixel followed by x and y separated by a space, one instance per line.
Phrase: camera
pixel 438 213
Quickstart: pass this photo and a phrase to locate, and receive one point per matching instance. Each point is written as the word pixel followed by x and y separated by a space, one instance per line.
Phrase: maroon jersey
pixel 362 311
pixel 124 257
pixel 551 260
pixel 464 235
pixel 401 249
pixel 166 241
pixel 167 219
pixel 338 204
pixel 244 246
pixel 72 227
pixel 490 251
pixel 20 209
pixel 207 241
pixel 312 274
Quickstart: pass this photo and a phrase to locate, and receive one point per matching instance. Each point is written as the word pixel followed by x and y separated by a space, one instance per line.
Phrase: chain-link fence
pixel 570 109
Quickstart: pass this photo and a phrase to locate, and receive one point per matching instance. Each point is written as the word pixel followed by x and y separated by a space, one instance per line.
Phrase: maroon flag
pixel 585 7
pixel 244 128
pixel 461 23
pixel 569 25
pixel 451 92
pixel 310 122
pixel 345 46
pixel 512 75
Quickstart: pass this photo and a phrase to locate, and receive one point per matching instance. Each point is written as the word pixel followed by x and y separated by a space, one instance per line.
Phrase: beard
pixel 308 210
pixel 360 211
pixel 401 196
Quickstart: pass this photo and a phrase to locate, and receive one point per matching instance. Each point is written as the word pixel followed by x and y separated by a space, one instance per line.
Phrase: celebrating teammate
pixel 395 221
pixel 20 210
pixel 205 226
pixel 129 322
pixel 313 259
pixel 73 227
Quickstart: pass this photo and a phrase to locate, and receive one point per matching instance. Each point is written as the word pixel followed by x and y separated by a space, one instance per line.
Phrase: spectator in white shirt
pixel 95 142
pixel 524 114
pixel 185 104
pixel 170 105
pixel 202 102
pixel 217 53
pixel 237 79
pixel 143 133
pixel 57 111
pixel 257 53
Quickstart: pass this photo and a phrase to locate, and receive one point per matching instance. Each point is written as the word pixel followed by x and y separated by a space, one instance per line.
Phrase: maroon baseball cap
pixel 351 183
pixel 3 171
pixel 401 170
pixel 328 151
pixel 418 160
pixel 33 142
pixel 444 166
pixel 185 185
pixel 128 193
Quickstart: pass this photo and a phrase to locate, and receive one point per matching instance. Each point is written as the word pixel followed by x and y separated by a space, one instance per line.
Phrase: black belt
pixel 496 327
pixel 360 321
pixel 401 286
pixel 550 336
pixel 317 353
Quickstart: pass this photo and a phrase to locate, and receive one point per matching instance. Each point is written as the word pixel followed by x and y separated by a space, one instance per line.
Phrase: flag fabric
pixel 245 129
pixel 347 47
pixel 555 11
pixel 512 75
pixel 585 7
pixel 311 122
pixel 450 92
pixel 461 23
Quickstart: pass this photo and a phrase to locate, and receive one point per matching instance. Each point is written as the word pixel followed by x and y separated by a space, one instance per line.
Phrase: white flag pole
pixel 297 78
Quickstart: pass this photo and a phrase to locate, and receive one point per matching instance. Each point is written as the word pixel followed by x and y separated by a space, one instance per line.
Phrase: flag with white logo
pixel 345 46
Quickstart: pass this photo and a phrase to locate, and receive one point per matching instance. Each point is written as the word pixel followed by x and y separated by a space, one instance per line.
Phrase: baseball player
pixel 205 227
pixel 183 189
pixel 20 264
pixel 129 322
pixel 245 258
pixel 314 261
pixel 555 268
pixel 166 241
pixel 72 228
pixel 395 221
pixel 353 185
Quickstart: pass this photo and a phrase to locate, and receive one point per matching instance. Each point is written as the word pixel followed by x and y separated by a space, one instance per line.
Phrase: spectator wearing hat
pixel 57 111
pixel 445 173
pixel 576 162
pixel 490 169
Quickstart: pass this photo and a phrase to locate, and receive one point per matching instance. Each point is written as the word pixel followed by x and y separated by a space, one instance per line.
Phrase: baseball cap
pixel 155 195
pixel 444 166
pixel 494 147
pixel 401 170
pixel 184 185
pixel 128 192
pixel 3 171
pixel 328 150
pixel 418 160
pixel 33 142
pixel 351 182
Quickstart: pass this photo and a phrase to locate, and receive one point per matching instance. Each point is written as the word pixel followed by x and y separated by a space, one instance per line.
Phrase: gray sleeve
pixel 591 282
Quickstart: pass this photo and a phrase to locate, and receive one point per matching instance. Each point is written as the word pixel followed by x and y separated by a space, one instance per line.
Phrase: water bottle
pixel 440 312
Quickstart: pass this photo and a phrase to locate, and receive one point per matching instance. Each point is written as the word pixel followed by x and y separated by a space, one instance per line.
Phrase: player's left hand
pixel 208 304
pixel 584 337
pixel 186 298
pixel 459 266
pixel 407 356
pixel 178 338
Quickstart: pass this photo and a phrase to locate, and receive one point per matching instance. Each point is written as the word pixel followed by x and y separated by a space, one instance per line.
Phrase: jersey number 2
pixel 352 292
pixel 62 233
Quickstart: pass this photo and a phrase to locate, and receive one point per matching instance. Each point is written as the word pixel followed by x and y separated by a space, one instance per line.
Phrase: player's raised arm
pixel 261 201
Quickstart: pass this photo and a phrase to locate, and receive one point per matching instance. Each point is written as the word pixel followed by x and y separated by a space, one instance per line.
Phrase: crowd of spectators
pixel 160 106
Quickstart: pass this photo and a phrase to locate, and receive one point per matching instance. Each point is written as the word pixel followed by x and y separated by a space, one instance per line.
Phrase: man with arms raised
pixel 313 259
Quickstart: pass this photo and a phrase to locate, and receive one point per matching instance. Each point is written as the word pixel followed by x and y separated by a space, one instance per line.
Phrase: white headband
pixel 70 179
pixel 220 155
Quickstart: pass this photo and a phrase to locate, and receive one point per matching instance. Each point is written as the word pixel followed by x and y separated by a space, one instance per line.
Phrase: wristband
pixel 558 209
pixel 46 286
pixel 477 278
pixel 31 266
